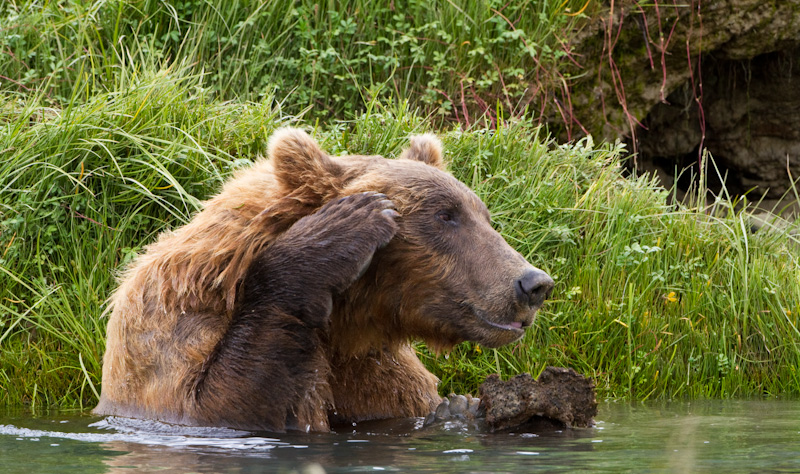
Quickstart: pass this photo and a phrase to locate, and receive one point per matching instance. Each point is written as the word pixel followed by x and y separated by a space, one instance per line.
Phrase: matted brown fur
pixel 291 297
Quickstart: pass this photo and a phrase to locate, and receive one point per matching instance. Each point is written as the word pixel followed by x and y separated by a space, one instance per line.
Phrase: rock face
pixel 671 77
pixel 559 394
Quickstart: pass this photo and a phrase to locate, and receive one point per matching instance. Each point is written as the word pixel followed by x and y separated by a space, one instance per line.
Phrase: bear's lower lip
pixel 513 326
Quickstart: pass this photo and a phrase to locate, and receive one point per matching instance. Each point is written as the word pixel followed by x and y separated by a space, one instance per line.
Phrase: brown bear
pixel 289 301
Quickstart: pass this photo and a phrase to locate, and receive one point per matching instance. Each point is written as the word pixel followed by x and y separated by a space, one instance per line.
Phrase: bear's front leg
pixel 382 384
pixel 270 369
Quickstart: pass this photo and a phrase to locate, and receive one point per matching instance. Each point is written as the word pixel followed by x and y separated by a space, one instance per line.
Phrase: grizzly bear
pixel 290 300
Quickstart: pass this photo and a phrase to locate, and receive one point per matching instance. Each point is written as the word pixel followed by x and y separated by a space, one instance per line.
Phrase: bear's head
pixel 446 277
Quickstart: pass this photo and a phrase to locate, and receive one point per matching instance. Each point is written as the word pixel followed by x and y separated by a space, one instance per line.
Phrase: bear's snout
pixel 533 287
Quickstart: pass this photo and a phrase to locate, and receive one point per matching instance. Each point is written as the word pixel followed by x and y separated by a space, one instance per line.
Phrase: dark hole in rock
pixel 751 119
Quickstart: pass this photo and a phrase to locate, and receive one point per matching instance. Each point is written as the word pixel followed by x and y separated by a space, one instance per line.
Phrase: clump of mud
pixel 559 398
pixel 559 394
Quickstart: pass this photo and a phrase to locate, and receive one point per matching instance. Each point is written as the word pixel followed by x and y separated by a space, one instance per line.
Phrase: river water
pixel 699 436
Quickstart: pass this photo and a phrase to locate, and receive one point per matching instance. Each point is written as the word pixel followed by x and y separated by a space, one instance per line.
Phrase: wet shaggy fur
pixel 289 300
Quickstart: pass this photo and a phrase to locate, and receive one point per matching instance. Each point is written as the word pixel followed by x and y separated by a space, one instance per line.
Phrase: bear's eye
pixel 445 216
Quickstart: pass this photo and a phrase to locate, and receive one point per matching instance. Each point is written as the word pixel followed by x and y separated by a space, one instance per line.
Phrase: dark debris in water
pixel 559 394
pixel 559 398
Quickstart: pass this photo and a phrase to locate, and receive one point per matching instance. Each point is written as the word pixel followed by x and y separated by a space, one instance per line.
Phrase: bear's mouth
pixel 516 326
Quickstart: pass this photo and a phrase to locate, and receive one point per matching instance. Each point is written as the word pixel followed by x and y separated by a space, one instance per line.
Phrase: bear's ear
pixel 426 148
pixel 299 162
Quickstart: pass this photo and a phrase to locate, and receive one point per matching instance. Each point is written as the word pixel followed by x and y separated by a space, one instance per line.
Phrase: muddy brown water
pixel 697 436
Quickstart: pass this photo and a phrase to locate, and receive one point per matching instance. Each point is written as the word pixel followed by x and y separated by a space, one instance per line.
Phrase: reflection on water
pixel 698 436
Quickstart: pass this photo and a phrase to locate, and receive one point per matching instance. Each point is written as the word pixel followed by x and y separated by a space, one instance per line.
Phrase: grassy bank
pixel 652 300
pixel 456 59
pixel 117 118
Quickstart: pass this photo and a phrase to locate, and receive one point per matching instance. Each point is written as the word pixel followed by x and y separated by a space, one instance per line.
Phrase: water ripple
pixel 154 433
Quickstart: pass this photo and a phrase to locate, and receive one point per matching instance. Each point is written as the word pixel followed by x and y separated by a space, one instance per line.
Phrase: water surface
pixel 698 436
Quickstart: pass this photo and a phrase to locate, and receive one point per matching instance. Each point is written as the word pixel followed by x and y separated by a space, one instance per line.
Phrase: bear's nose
pixel 533 287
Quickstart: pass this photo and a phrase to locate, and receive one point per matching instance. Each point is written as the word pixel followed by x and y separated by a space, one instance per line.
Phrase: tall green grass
pixel 652 299
pixel 455 59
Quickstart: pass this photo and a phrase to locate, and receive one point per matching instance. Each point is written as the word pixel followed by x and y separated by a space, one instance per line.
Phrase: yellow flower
pixel 477 348
pixel 671 297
